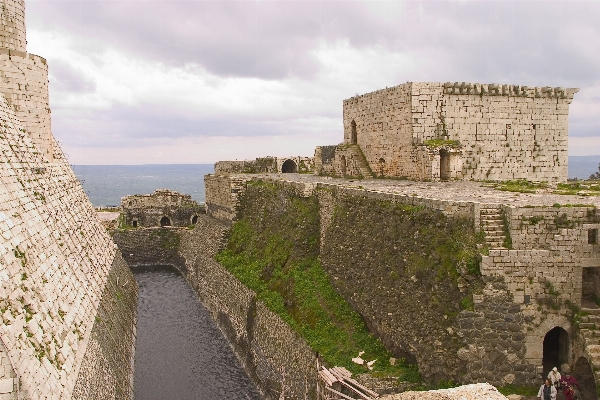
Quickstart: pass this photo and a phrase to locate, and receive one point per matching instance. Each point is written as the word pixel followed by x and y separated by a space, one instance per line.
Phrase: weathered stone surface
pixel 427 131
pixel 162 208
pixel 526 290
pixel 468 392
pixel 56 258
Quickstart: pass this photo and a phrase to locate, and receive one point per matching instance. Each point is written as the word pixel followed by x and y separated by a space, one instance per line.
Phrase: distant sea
pixel 106 184
pixel 581 167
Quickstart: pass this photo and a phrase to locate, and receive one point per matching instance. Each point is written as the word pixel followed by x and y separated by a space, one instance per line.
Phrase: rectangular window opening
pixel 592 236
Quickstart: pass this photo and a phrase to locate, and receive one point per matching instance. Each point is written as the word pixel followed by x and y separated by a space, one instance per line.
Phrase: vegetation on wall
pixel 409 270
pixel 273 249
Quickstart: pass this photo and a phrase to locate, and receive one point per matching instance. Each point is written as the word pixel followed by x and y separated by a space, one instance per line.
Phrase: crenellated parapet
pixel 495 89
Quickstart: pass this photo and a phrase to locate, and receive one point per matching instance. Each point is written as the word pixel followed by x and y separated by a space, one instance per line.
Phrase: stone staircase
pixel 493 226
pixel 360 161
pixel 589 329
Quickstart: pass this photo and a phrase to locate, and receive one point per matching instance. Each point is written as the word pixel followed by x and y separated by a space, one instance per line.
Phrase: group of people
pixel 555 382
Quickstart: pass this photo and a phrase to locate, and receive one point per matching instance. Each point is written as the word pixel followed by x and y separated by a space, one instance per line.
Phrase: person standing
pixel 547 391
pixel 554 377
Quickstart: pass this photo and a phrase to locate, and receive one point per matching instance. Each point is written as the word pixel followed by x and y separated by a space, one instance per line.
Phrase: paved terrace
pixel 475 192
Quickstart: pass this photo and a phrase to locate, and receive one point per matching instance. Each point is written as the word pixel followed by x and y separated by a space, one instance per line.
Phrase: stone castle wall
pixel 483 131
pixel 493 325
pixel 271 165
pixel 67 299
pixel 57 259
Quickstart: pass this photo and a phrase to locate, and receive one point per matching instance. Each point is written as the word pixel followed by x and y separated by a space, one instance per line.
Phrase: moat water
pixel 180 353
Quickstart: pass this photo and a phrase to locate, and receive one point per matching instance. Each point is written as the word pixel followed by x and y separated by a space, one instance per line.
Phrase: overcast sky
pixel 139 82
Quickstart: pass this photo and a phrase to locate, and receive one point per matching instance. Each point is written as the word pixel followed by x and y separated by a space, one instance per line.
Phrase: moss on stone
pixel 273 248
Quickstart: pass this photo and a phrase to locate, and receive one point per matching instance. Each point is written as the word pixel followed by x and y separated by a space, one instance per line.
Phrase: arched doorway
pixel 444 165
pixel 289 166
pixel 165 221
pixel 343 162
pixel 194 219
pixel 556 349
pixel 381 166
pixel 353 139
pixel 583 372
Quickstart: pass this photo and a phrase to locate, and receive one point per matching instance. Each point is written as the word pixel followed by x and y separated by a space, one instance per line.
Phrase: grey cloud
pixel 273 40
pixel 68 79
pixel 131 126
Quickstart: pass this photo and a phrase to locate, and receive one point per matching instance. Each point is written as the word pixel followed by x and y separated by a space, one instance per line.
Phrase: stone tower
pixel 67 298
pixel 24 77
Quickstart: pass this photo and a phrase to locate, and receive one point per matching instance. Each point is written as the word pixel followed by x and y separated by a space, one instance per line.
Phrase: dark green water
pixel 180 353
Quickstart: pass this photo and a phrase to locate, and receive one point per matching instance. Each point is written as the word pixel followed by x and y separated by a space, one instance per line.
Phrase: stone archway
pixel 582 371
pixel 556 349
pixel 353 136
pixel 289 166
pixel 194 220
pixel 165 221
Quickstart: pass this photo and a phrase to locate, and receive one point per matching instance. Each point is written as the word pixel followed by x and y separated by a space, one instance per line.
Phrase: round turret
pixel 12 28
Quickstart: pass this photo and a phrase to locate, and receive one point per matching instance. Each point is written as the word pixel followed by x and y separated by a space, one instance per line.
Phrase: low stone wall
pixel 272 353
pixel 151 246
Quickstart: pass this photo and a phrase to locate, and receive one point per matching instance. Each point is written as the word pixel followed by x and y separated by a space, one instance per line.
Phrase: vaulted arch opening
pixel 289 166
pixel 194 220
pixel 556 349
pixel 165 221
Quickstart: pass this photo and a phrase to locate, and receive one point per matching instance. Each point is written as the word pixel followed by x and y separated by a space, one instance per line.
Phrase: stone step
pixel 594 350
pixel 591 311
pixel 587 325
pixel 498 235
pixel 490 225
pixel 490 211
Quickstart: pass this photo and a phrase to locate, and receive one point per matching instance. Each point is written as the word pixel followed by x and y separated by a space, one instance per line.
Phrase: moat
pixel 180 353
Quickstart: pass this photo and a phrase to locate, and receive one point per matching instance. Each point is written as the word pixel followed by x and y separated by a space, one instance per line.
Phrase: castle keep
pixel 67 298
pixel 453 131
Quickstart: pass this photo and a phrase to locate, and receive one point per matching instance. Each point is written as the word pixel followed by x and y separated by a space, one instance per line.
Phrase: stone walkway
pixel 455 191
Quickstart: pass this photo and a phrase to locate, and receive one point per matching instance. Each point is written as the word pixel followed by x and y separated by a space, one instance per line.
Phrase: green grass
pixel 586 188
pixel 519 186
pixel 273 249
pixel 441 143
pixel 520 390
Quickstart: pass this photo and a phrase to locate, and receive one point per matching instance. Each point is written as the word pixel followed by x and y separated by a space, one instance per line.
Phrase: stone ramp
pixel 361 163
